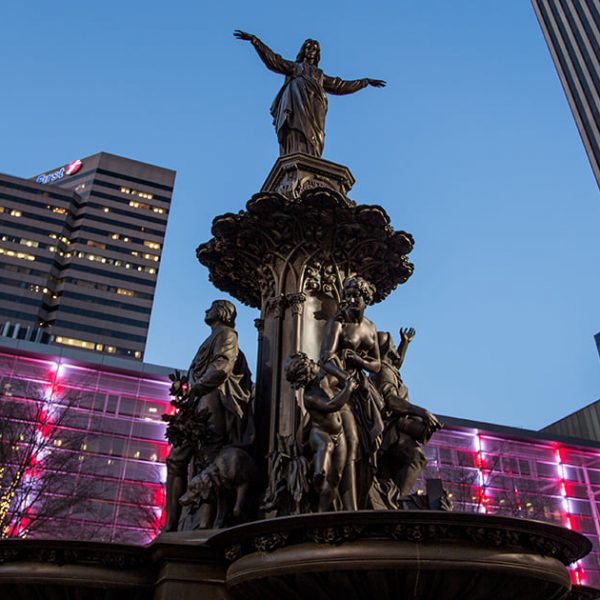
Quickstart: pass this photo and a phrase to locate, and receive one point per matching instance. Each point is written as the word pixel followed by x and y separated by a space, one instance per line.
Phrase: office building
pixel 572 32
pixel 81 247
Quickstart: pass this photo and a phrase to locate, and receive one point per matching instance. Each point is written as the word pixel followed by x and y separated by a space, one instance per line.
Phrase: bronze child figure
pixel 323 402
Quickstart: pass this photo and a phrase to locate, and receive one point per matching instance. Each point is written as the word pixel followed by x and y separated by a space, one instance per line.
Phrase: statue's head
pixel 357 294
pixel 309 52
pixel 300 370
pixel 221 311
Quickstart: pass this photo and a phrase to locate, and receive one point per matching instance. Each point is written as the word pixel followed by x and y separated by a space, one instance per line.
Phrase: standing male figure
pixel 220 385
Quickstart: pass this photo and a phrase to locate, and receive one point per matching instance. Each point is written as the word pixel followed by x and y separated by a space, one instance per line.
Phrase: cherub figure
pixel 323 402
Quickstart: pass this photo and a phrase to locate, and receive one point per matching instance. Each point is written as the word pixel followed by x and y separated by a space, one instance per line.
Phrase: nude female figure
pixel 350 349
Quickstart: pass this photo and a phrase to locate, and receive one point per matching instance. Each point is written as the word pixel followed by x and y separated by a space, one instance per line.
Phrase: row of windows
pixel 106 288
pixel 21 300
pixel 23 241
pixel 19 315
pixel 131 192
pixel 112 261
pixel 100 331
pixel 120 225
pixel 16 212
pixel 124 211
pixel 143 205
pixel 110 302
pixel 23 270
pixel 87 345
pixel 13 212
pixel 94 315
pixel 33 229
pixel 144 182
pixel 113 248
pixel 16 254
pixel 65 196
pixel 19 283
pixel 112 275
pixel 113 236
pixel 121 188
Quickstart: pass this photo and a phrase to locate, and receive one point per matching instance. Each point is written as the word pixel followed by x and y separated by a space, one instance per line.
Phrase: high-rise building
pixel 81 247
pixel 572 32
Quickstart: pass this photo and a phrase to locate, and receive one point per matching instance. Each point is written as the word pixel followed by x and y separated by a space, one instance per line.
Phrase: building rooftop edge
pixel 518 432
pixel 85 358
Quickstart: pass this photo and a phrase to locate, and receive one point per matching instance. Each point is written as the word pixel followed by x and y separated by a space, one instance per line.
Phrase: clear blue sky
pixel 471 147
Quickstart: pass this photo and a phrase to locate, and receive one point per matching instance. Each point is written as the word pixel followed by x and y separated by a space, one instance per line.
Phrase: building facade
pixel 572 32
pixel 81 247
pixel 114 409
pixel 88 448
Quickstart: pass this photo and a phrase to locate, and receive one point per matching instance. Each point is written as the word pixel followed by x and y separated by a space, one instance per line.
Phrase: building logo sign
pixel 70 169
pixel 73 167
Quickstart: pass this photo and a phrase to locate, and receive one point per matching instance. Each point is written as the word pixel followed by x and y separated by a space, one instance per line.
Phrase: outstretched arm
pixel 339 87
pixel 273 61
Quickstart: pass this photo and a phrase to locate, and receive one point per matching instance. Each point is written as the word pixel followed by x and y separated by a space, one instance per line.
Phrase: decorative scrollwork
pixel 270 542
pixel 323 227
pixel 334 535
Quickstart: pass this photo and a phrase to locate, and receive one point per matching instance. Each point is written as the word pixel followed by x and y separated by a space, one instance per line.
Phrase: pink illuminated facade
pixel 114 418
pixel 485 468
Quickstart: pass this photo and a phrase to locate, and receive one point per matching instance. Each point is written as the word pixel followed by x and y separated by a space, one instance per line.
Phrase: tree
pixel 40 451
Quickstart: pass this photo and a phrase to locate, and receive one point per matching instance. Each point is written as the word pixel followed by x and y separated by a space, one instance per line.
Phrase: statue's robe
pixel 220 365
pixel 300 106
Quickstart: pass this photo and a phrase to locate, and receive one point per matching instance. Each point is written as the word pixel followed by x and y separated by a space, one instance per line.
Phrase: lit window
pixel 106 209
pixel 124 292
pixel 15 213
pixel 115 236
pixel 59 210
pixel 137 354
pixel 58 443
pixel 153 457
pixel 29 243
pixel 152 245
pixel 111 349
pixel 153 409
pixel 160 211
pixel 96 244
pixel 13 254
pixel 74 342
pixel 99 347
pixel 151 257
pixel 53 236
pixel 131 192
pixel 136 454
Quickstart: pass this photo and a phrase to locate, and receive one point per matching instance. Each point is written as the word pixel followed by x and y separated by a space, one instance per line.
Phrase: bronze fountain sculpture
pixel 298 486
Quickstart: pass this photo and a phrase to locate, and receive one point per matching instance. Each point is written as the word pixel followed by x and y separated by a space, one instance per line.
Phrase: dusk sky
pixel 471 147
